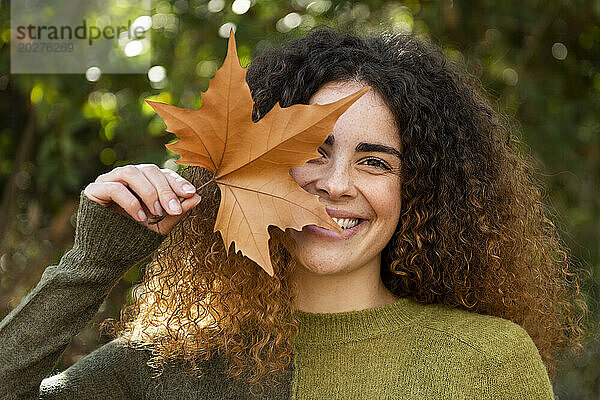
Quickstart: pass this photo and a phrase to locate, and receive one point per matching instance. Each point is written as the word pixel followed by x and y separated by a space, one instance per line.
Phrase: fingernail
pixel 158 208
pixel 142 215
pixel 188 188
pixel 174 206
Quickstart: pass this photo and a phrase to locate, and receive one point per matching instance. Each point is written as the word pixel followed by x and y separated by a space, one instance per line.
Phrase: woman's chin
pixel 319 267
pixel 324 252
pixel 319 260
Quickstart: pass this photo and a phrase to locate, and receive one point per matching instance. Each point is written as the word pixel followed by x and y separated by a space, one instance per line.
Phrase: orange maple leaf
pixel 251 161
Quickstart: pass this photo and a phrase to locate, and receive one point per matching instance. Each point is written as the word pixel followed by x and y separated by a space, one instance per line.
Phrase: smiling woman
pixel 358 180
pixel 449 281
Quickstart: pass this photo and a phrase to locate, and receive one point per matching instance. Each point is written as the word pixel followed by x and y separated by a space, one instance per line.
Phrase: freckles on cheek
pixel 384 197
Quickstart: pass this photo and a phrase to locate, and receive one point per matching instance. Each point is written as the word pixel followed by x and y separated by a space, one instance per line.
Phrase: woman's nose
pixel 335 180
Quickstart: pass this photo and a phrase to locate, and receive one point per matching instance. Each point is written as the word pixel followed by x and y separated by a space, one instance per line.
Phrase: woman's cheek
pixel 384 196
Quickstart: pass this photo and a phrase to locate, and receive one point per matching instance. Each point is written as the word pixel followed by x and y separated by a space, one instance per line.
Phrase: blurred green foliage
pixel 538 60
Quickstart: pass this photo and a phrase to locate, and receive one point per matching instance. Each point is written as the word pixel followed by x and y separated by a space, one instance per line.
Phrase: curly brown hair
pixel 473 231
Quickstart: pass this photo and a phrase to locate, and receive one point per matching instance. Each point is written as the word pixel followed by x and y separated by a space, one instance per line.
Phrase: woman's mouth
pixel 350 226
pixel 346 223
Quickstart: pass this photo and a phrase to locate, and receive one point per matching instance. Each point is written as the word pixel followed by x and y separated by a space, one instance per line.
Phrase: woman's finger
pixel 116 193
pixel 157 198
pixel 167 223
pixel 131 177
pixel 181 186
pixel 167 188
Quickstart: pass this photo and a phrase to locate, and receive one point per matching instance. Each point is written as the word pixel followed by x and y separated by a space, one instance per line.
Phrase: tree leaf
pixel 251 161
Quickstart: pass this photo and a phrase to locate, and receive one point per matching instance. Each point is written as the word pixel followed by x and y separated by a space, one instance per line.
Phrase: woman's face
pixel 356 177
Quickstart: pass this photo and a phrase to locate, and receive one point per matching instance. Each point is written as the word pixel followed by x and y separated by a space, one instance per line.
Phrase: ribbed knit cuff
pixel 105 235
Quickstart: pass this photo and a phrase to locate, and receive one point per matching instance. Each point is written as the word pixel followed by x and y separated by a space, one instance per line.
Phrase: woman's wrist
pixel 104 234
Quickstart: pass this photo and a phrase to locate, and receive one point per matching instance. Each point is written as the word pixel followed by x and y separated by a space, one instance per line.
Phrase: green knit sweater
pixel 403 350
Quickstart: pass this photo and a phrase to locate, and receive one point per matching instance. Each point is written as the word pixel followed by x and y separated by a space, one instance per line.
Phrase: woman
pixel 452 285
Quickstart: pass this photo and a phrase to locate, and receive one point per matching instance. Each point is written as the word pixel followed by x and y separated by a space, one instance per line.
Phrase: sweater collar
pixel 349 326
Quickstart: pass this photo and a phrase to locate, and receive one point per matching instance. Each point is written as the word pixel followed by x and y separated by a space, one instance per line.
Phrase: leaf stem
pixel 211 180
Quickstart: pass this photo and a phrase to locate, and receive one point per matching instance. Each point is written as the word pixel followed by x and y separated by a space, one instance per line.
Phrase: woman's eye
pixel 377 163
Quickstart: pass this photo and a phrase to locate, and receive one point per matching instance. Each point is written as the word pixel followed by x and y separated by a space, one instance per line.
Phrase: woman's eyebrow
pixel 366 147
pixel 363 147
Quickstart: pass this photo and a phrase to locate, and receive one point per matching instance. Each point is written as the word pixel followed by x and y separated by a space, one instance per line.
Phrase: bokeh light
pixel 108 101
pixel 157 73
pixel 225 28
pixel 133 48
pixel 36 94
pixel 206 69
pixel 145 22
pixel 93 74
pixel 108 156
pixel 559 51
pixel 289 22
pixel 214 6
pixel 510 76
pixel 318 7
pixel 240 6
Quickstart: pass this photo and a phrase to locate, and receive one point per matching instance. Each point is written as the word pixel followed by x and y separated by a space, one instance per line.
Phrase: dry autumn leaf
pixel 251 161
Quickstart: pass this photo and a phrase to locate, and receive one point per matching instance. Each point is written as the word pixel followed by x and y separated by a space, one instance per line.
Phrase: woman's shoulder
pixel 174 382
pixel 112 366
pixel 120 367
pixel 495 353
pixel 488 335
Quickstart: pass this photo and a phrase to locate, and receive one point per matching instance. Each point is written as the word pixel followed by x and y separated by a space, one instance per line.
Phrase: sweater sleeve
pixel 111 371
pixel 518 371
pixel 35 334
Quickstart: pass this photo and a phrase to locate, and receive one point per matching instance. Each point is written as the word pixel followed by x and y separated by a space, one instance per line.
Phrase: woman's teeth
pixel 346 223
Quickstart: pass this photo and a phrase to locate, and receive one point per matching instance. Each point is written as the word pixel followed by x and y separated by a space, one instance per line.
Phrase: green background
pixel 538 60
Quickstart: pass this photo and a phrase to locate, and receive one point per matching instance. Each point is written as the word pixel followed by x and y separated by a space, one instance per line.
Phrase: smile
pixel 347 223
pixel 350 226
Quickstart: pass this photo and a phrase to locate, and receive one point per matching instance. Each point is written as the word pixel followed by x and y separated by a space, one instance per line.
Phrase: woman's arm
pixel 35 334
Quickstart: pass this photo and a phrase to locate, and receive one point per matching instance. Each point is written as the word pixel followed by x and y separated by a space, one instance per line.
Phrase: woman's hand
pixel 143 192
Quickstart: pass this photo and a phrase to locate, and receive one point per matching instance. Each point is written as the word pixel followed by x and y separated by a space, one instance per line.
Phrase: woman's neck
pixel 359 289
